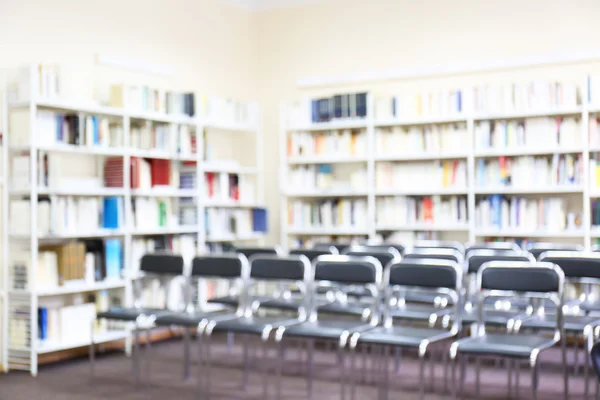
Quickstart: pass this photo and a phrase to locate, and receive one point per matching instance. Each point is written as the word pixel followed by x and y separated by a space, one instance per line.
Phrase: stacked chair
pixel 440 298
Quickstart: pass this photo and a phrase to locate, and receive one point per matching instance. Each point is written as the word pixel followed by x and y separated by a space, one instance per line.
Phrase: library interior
pixel 299 199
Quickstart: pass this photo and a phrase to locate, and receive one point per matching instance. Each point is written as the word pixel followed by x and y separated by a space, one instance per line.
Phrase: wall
pixel 352 36
pixel 211 45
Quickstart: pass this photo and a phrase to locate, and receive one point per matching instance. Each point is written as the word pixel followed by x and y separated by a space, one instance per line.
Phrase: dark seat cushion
pixel 350 308
pixel 402 335
pixel 429 298
pixel 186 319
pixel 504 345
pixel 419 312
pixel 491 317
pixel 290 304
pixel 574 323
pixel 231 301
pixel 251 325
pixel 130 314
pixel 325 329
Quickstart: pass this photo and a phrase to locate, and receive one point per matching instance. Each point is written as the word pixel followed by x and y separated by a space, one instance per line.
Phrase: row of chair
pixel 428 287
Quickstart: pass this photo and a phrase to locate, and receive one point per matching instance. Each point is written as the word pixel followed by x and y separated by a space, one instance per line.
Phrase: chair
pixel 344 270
pixel 291 270
pixel 507 279
pixel 433 276
pixel 435 253
pixel 538 248
pixel 327 246
pixel 507 246
pixel 311 254
pixel 439 244
pixel 159 266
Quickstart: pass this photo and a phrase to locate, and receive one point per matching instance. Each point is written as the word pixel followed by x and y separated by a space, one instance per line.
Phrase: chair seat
pixel 291 304
pixel 429 298
pixel 349 308
pixel 325 329
pixel 492 317
pixel 574 323
pixel 187 319
pixel 231 301
pixel 130 314
pixel 419 312
pixel 504 345
pixel 252 325
pixel 407 336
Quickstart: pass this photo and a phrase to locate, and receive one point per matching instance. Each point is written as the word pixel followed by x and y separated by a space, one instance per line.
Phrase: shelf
pixel 421 192
pixel 162 117
pixel 329 193
pixel 422 121
pixel 89 108
pixel 525 151
pixel 333 231
pixel 76 288
pixel 426 227
pixel 332 125
pixel 101 191
pixel 327 159
pixel 161 154
pixel 110 336
pixel 421 156
pixel 164 192
pixel 101 233
pixel 74 149
pixel 235 238
pixel 231 127
pixel 595 192
pixel 165 231
pixel 229 169
pixel 558 189
pixel 511 232
pixel 232 204
pixel 531 113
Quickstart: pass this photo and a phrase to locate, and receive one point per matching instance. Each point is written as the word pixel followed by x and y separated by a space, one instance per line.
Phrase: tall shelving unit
pixel 471 154
pixel 23 303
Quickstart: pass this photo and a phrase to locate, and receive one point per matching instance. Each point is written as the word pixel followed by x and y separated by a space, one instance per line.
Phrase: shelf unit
pixel 471 154
pixel 26 357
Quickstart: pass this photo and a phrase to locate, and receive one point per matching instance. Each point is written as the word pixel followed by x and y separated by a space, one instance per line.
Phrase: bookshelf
pixel 113 170
pixel 544 135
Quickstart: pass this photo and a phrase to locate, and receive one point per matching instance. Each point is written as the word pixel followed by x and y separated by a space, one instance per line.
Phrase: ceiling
pixel 262 5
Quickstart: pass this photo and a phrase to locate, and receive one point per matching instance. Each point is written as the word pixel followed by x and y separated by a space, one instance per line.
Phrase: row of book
pixel 538 132
pixel 424 104
pixel 535 95
pixel 64 215
pixel 328 214
pixel 227 222
pixel 421 175
pixel 402 210
pixel 147 99
pixel 65 324
pixel 339 106
pixel 153 213
pixel 145 173
pixel 171 138
pixel 323 177
pixel 341 143
pixel 429 138
pixel 228 187
pixel 70 263
pixel 526 172
pixel 550 214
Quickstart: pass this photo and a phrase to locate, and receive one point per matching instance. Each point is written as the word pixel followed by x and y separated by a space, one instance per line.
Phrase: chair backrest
pixel 291 269
pixel 380 247
pixel 382 254
pixel 541 280
pixel 232 267
pixel 537 249
pixel 577 266
pixel 349 270
pixel 477 258
pixel 427 275
pixel 252 251
pixel 327 246
pixel 507 246
pixel 439 244
pixel 162 266
pixel 311 254
pixel 435 254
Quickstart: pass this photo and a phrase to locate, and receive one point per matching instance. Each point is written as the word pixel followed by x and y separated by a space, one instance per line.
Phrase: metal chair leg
pixel 200 364
pixel 397 357
pixel 432 355
pixel 445 362
pixel 342 361
pixel 136 357
pixel 422 375
pixel 565 370
pixel 265 362
pixel 245 362
pixel 534 380
pixel 186 354
pixel 208 367
pixel 280 360
pixel 309 375
pixel 148 357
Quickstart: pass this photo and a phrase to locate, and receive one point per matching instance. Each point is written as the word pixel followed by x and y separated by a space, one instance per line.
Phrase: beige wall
pixel 353 36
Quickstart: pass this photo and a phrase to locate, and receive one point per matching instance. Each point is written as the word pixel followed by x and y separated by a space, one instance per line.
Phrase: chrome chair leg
pixel 397 357
pixel 534 380
pixel 565 370
pixel 186 354
pixel 200 364
pixel 422 375
pixel 147 357
pixel 245 362
pixel 136 357
pixel 208 368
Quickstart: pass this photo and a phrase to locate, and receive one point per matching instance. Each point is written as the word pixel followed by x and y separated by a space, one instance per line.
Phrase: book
pixel 113 258
pixel 401 211
pixel 342 213
pixel 414 176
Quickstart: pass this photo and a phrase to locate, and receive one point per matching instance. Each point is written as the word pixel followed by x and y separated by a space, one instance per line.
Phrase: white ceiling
pixel 261 5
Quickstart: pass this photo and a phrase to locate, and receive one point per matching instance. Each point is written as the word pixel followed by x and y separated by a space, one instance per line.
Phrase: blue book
pixel 96 130
pixel 113 258
pixel 496 206
pixel 59 126
pixel 481 172
pixel 314 103
pixel 259 220
pixel 43 323
pixel 458 101
pixel 111 215
pixel 337 105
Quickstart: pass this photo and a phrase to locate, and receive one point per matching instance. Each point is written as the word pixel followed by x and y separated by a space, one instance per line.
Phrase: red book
pixel 210 178
pixel 161 172
pixel 135 172
pixel 428 209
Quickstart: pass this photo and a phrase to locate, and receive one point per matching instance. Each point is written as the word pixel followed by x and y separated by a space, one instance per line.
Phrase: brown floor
pixel 70 380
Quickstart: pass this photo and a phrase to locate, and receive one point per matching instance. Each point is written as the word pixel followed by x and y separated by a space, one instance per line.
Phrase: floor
pixel 70 380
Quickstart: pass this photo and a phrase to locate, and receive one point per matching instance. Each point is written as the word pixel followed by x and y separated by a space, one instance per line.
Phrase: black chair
pixel 163 267
pixel 439 244
pixel 339 247
pixel 538 248
pixel 312 254
pixel 433 276
pixel 291 270
pixel 509 279
pixel 507 246
pixel 434 253
pixel 343 270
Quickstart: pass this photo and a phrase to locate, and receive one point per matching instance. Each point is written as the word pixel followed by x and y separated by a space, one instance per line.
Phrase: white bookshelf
pixel 17 356
pixel 579 194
